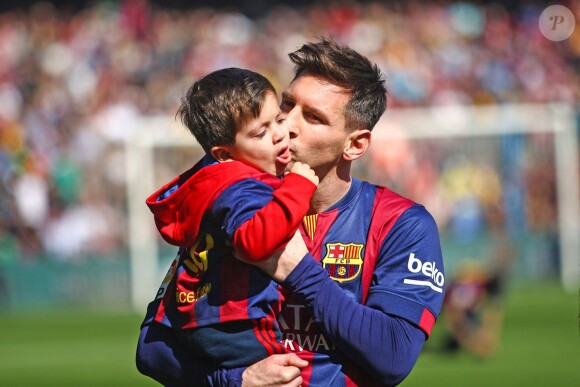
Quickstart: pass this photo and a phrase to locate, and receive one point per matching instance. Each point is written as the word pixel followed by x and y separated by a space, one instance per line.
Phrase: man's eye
pixel 313 117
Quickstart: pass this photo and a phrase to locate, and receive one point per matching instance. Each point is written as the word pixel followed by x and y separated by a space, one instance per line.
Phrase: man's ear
pixel 357 143
pixel 221 153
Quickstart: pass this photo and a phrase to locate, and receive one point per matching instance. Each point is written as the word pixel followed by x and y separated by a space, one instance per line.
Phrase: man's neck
pixel 331 189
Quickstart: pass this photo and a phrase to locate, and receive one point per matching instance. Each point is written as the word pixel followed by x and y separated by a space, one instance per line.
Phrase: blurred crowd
pixel 75 85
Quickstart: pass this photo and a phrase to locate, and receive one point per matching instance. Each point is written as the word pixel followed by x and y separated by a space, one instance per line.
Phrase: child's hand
pixel 306 171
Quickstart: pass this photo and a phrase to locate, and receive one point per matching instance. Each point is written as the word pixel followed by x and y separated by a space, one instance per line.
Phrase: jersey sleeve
pixel 260 220
pixel 409 280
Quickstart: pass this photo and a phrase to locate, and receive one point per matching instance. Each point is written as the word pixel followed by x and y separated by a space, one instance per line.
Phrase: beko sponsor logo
pixel 435 280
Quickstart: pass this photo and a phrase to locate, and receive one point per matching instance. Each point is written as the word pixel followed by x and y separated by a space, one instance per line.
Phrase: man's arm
pixel 383 344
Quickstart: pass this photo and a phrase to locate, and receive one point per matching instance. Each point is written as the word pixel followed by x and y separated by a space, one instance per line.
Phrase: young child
pixel 232 200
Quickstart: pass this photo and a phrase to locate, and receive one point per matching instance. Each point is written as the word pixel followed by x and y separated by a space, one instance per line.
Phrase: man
pixel 364 279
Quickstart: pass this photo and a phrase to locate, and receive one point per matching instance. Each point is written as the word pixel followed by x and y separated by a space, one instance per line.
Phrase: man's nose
pixel 290 126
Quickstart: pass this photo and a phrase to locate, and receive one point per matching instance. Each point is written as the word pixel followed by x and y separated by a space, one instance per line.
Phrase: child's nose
pixel 280 132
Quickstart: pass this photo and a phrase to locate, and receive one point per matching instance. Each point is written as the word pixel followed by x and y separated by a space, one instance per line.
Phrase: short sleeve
pixel 409 279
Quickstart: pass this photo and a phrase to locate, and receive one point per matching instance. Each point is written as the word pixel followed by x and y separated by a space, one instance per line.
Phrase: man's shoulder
pixel 388 196
pixel 386 200
pixel 391 206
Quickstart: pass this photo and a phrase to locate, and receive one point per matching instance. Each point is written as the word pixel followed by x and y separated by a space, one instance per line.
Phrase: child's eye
pixel 280 119
pixel 261 134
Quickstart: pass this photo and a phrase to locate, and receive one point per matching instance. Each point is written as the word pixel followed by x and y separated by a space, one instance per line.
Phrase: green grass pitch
pixel 540 347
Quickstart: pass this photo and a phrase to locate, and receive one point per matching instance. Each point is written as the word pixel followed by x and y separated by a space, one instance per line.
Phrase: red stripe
pixel 264 332
pixel 278 347
pixel 348 382
pixel 168 298
pixel 324 221
pixel 385 214
pixel 306 372
pixel 160 312
pixel 427 321
pixel 234 299
pixel 258 326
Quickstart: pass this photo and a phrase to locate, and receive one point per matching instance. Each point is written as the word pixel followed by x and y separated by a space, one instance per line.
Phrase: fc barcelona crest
pixel 343 261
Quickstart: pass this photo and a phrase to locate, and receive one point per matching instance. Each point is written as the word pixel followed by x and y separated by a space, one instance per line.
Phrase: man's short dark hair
pixel 342 66
pixel 217 105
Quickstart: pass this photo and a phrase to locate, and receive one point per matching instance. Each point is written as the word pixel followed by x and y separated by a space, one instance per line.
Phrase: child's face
pixel 262 142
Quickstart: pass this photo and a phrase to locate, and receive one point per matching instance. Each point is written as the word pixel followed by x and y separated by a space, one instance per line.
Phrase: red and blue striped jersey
pixel 396 258
pixel 210 211
pixel 361 304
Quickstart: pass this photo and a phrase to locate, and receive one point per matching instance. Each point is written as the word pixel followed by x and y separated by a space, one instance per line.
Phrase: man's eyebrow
pixel 286 95
pixel 317 112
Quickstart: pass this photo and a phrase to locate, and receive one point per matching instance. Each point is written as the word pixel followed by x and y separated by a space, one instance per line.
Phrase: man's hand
pixel 281 264
pixel 275 370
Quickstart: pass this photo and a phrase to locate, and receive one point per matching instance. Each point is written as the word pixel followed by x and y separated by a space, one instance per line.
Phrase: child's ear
pixel 221 153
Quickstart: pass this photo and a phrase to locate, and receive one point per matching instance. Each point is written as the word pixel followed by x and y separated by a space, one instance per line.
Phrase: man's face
pixel 263 142
pixel 314 112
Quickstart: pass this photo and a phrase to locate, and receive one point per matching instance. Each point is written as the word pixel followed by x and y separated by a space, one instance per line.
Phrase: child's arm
pixel 273 225
pixel 257 229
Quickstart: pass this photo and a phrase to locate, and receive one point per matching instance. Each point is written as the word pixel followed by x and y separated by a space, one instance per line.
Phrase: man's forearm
pixel 385 347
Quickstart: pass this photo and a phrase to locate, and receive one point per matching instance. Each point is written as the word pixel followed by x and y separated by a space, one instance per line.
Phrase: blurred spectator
pixel 474 306
pixel 75 83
